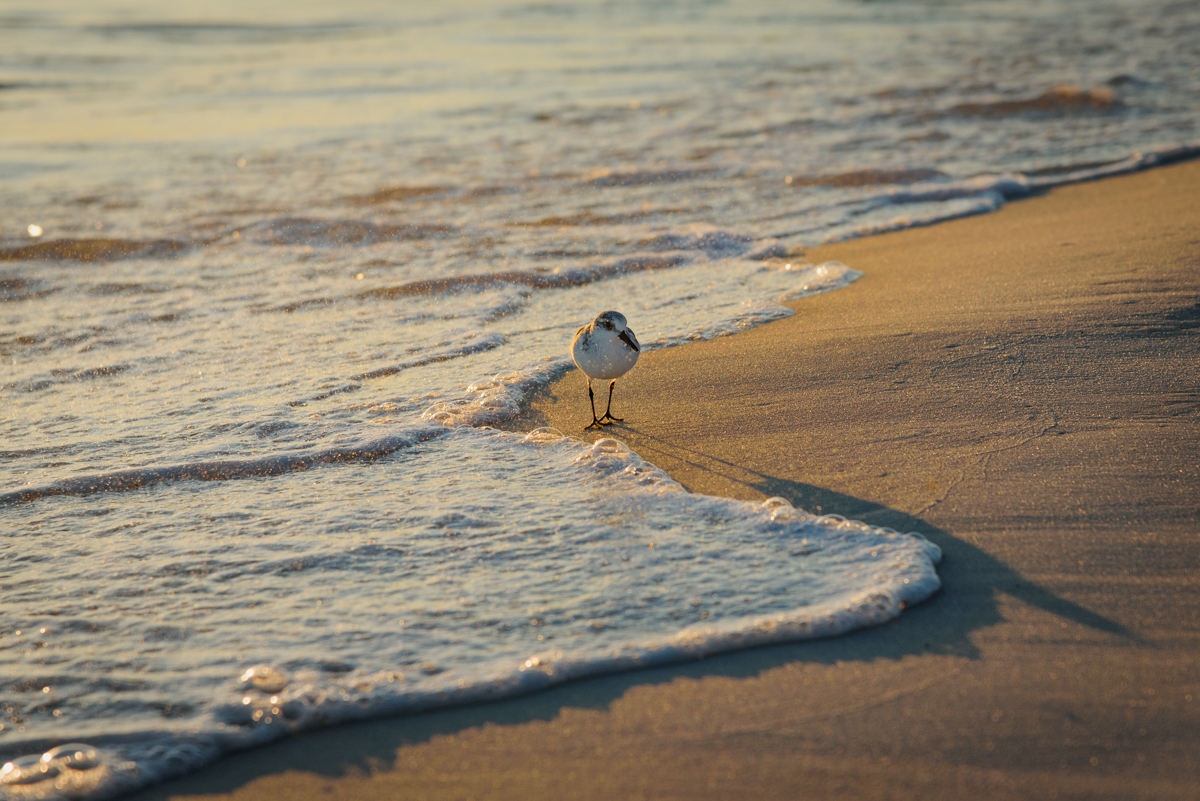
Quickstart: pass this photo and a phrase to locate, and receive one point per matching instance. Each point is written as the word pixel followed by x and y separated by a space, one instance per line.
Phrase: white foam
pixel 655 579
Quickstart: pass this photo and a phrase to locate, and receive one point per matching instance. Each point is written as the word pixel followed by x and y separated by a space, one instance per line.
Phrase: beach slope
pixel 1022 388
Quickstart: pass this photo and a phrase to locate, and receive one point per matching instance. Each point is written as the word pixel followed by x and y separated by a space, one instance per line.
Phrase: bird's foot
pixel 595 424
pixel 610 419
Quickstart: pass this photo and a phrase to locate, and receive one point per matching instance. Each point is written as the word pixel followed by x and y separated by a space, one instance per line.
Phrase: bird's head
pixel 613 321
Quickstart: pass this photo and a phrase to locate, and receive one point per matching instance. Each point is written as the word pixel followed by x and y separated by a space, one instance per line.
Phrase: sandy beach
pixel 1021 388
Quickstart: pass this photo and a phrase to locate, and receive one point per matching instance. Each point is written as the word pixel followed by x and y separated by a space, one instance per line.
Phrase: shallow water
pixel 292 260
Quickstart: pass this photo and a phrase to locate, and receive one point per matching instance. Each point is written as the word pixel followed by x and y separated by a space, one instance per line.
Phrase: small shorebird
pixel 605 349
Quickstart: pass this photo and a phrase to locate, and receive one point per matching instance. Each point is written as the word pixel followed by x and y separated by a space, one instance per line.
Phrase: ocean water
pixel 269 272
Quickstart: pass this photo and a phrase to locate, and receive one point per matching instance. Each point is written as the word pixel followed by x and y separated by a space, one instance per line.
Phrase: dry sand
pixel 1021 387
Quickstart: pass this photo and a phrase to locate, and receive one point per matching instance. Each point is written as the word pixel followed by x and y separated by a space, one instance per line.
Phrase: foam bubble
pixel 264 678
pixel 76 756
pixel 545 434
pixel 27 770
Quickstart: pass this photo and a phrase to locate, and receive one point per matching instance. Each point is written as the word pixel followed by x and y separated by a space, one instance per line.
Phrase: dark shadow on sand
pixel 971 581
pixel 966 570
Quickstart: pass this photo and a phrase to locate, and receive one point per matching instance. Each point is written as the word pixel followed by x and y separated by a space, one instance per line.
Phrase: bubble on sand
pixel 27 770
pixel 781 508
pixel 544 434
pixel 609 446
pixel 264 678
pixel 76 756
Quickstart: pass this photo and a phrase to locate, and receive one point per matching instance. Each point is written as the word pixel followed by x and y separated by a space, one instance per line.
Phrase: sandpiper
pixel 605 349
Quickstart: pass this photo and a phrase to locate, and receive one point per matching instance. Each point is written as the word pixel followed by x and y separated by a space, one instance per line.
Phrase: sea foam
pixel 444 605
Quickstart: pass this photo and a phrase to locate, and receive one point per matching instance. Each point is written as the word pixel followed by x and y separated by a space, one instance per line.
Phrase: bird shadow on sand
pixel 967 571
pixel 972 580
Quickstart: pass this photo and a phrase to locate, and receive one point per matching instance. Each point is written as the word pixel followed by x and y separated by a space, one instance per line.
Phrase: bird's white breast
pixel 601 354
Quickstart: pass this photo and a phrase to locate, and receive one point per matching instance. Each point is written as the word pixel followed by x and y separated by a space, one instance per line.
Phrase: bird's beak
pixel 628 340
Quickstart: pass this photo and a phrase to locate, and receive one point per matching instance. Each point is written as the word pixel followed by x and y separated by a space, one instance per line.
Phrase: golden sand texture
pixel 1021 387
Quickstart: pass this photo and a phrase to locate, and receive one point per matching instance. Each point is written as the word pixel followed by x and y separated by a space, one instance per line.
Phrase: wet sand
pixel 1020 387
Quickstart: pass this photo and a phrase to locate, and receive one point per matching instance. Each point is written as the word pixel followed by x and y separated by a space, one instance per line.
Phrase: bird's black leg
pixel 595 423
pixel 608 412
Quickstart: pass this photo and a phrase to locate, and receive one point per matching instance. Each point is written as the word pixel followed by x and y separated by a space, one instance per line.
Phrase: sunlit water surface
pixel 291 260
